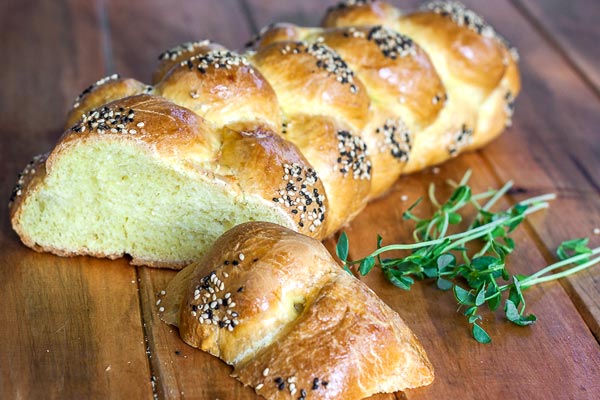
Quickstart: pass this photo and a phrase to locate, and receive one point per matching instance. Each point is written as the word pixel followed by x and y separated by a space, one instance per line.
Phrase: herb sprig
pixel 445 257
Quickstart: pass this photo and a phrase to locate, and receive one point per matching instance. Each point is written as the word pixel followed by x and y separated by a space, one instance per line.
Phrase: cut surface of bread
pixel 156 194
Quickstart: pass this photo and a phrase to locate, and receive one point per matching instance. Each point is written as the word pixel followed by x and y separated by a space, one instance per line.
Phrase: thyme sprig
pixel 477 276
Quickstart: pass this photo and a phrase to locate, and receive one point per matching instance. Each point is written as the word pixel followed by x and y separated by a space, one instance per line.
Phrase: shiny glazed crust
pixel 349 107
pixel 264 299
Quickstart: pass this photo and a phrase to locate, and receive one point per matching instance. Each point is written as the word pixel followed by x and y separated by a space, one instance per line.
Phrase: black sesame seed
pixel 235 262
pixel 240 289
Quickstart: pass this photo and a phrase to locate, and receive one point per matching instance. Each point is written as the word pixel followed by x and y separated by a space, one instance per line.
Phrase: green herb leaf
pixel 444 284
pixel 341 249
pixel 574 247
pixel 463 296
pixel 480 299
pixel 481 335
pixel 513 315
pixel 366 265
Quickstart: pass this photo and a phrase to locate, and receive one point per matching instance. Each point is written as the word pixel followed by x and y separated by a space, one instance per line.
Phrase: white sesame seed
pixel 161 309
pixel 259 386
pixel 140 125
pixel 158 302
pixel 404 197
pixel 241 256
pixel 162 292
pixel 231 305
pixel 266 372
pixel 596 231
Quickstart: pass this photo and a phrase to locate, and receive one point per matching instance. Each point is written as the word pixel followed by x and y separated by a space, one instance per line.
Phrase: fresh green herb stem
pixel 447 259
pixel 461 238
pixel 538 278
pixel 498 195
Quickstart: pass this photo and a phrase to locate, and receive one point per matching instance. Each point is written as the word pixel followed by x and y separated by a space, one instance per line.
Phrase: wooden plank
pixel 555 120
pixel 60 316
pixel 572 24
pixel 160 25
pixel 520 362
pixel 432 316
pixel 178 370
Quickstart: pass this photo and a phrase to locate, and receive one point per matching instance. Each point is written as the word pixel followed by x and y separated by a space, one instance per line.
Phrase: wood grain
pixel 572 24
pixel 60 317
pixel 160 25
pixel 86 328
pixel 549 111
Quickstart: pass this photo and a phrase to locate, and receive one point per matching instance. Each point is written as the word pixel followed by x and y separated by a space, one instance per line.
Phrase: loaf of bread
pixel 302 130
pixel 293 324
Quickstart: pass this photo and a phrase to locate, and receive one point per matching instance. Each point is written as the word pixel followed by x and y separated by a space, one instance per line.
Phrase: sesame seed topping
pixel 353 156
pixel 241 256
pixel 298 192
pixel 326 59
pixel 265 372
pixel 391 43
pixel 105 119
pixel 259 386
pixel 349 3
pixel 217 59
pixel 187 47
pixel 161 309
pixel 88 90
pixel 397 139
pixel 207 299
pixel 28 170
pixel 462 138
pixel 462 16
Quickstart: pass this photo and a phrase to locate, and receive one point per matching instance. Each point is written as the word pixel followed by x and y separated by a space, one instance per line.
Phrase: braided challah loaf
pixel 276 306
pixel 302 131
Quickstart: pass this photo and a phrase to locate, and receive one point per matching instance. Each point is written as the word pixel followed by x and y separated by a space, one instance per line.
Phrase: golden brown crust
pixel 262 162
pixel 357 13
pixel 222 87
pixel 312 78
pixel 471 57
pixel 341 160
pixel 274 304
pixel 174 56
pixel 273 33
pixel 104 91
pixel 394 69
pixel 248 163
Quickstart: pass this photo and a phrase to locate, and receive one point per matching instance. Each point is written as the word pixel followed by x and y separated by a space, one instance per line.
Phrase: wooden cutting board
pixel 89 328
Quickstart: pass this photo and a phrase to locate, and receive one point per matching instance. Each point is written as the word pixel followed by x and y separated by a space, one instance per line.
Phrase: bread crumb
pixel 108 368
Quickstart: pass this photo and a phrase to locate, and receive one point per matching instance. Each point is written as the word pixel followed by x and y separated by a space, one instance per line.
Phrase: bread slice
pixel 145 177
pixel 276 306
